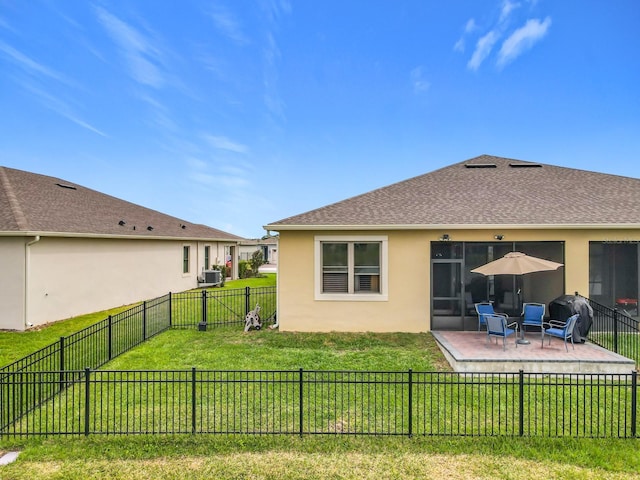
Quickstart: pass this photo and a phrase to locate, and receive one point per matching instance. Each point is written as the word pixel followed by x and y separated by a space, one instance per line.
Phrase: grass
pixel 203 457
pixel 228 348
pixel 289 457
pixel 15 345
pixel 264 280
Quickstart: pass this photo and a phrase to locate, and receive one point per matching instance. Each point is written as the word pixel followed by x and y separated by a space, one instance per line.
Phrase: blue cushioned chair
pixel 561 329
pixel 482 309
pixel 497 327
pixel 532 315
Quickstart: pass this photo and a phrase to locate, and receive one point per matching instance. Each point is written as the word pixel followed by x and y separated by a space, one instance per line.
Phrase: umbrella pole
pixel 521 340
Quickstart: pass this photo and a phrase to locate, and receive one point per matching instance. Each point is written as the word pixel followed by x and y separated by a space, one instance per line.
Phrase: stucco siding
pixel 407 307
pixel 70 277
pixel 12 268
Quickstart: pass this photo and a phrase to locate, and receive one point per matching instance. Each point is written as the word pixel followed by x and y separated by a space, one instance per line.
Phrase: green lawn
pixel 229 348
pixel 291 457
pixel 15 345
pixel 264 280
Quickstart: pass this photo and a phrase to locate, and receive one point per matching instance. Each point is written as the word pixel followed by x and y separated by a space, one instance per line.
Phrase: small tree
pixel 257 259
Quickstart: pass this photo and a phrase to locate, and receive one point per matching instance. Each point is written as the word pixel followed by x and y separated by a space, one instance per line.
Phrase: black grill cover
pixel 563 307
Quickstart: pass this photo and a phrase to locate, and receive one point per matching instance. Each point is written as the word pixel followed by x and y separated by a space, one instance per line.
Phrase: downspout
pixel 27 264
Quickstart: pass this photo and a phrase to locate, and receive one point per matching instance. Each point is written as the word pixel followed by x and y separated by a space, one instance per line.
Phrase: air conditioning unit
pixel 212 276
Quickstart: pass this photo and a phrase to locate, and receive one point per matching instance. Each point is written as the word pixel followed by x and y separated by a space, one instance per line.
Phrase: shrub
pixel 244 269
pixel 257 259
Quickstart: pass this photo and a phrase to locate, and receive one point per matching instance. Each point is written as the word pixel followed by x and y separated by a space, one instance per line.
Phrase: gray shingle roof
pixel 38 204
pixel 494 191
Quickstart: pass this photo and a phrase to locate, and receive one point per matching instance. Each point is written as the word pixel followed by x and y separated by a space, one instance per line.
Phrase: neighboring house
pixel 399 258
pixel 268 245
pixel 66 250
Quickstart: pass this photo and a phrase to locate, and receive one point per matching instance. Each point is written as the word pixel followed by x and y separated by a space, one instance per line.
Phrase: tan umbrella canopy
pixel 516 263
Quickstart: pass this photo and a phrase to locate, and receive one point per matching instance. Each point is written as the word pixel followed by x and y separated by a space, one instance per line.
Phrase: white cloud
pixel 418 81
pixel 470 26
pixel 523 39
pixel 196 163
pixel 223 143
pixel 226 23
pixel 483 49
pixel 29 64
pixel 62 108
pixel 141 55
pixel 507 8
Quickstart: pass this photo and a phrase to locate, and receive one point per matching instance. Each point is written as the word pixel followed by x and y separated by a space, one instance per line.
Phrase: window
pixel 351 268
pixel 185 258
pixel 613 274
pixel 207 265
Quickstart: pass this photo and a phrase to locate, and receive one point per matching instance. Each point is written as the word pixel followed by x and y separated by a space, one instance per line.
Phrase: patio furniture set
pixel 498 325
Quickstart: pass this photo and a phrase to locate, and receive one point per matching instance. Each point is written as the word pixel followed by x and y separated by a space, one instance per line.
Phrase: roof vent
pixel 480 165
pixel 525 165
pixel 183 226
pixel 149 228
pixel 64 185
pixel 121 223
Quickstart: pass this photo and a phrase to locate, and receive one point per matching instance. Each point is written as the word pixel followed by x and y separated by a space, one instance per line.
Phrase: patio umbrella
pixel 516 263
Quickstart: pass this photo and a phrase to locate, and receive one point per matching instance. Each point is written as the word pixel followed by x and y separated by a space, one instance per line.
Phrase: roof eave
pixel 115 237
pixel 563 226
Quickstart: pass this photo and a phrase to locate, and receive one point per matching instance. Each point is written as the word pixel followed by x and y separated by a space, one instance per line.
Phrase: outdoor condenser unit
pixel 212 276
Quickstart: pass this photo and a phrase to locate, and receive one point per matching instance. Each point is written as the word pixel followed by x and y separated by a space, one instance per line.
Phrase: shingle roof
pixel 486 190
pixel 37 204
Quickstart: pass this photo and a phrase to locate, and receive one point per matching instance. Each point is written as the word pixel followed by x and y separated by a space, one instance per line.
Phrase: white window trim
pixel 383 296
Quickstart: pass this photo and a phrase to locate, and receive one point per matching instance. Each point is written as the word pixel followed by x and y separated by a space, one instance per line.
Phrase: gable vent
pixel 64 185
pixel 480 165
pixel 525 165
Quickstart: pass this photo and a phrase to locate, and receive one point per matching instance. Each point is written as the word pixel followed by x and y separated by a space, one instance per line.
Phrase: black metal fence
pixel 615 331
pixel 299 402
pixel 58 391
pixel 62 363
pixel 223 307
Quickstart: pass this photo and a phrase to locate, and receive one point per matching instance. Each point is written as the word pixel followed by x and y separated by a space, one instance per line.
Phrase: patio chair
pixel 561 329
pixel 482 309
pixel 497 327
pixel 532 316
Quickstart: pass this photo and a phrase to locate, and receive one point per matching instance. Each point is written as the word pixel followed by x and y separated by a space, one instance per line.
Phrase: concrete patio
pixel 471 352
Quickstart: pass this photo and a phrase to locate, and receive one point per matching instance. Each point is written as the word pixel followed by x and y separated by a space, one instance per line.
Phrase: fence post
pixel 110 339
pixel 301 403
pixel 521 402
pixel 247 294
pixel 87 400
pixel 615 330
pixel 170 311
pixel 144 320
pixel 410 403
pixel 193 400
pixel 61 363
pixel 634 403
pixel 204 307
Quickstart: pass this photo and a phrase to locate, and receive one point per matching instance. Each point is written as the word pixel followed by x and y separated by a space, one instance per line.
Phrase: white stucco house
pixel 66 250
pixel 268 245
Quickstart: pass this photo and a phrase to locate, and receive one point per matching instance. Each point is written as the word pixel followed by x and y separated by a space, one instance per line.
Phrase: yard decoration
pixel 252 320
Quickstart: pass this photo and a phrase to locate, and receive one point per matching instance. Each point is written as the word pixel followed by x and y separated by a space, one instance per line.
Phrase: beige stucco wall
pixel 66 277
pixel 12 270
pixel 408 305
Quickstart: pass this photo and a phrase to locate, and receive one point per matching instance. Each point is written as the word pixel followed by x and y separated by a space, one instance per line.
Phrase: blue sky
pixel 238 113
